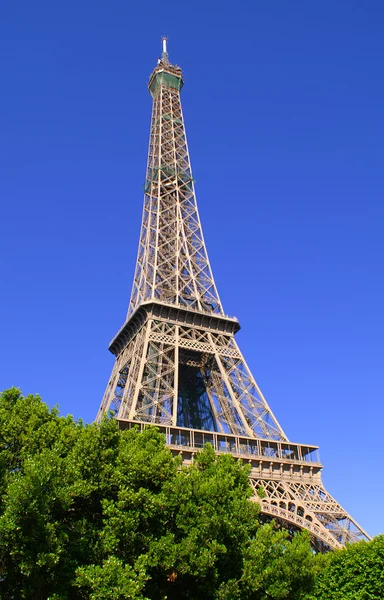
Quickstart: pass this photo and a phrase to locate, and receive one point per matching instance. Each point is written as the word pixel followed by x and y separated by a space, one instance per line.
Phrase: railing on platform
pixel 194 440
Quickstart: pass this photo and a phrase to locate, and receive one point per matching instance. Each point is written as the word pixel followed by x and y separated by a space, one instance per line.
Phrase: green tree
pixel 91 512
pixel 354 573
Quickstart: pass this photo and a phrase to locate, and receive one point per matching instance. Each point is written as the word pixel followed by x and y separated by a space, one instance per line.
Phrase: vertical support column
pixel 228 385
pixel 134 349
pixel 159 186
pixel 176 378
pixel 259 399
pixel 108 394
pixel 141 369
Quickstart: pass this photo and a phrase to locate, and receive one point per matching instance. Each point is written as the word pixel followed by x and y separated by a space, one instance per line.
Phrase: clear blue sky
pixel 283 104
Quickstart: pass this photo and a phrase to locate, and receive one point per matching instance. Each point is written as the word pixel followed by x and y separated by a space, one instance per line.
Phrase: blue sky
pixel 283 103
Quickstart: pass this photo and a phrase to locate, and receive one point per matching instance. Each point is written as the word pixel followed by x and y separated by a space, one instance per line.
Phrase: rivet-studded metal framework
pixel 177 363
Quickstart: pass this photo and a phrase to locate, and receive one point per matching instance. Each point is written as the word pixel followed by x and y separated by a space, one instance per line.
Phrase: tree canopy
pixel 356 573
pixel 93 512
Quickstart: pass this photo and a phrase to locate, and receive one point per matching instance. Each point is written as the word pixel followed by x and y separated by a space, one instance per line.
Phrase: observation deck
pixel 175 313
pixel 267 458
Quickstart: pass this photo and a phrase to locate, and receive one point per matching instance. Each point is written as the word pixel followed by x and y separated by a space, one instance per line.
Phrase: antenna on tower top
pixel 164 56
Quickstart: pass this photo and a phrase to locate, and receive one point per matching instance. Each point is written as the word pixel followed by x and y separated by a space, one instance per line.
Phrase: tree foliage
pixel 91 512
pixel 355 573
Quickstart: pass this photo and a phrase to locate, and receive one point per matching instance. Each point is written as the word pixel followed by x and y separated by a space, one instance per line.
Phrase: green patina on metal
pixel 184 178
pixel 166 79
pixel 167 117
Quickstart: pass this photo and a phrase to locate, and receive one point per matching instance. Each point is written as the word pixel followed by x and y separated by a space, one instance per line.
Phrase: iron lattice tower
pixel 177 363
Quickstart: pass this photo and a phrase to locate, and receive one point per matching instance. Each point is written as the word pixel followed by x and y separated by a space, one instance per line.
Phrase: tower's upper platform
pixel 165 73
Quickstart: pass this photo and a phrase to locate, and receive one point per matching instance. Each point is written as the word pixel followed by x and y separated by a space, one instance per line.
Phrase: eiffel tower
pixel 178 365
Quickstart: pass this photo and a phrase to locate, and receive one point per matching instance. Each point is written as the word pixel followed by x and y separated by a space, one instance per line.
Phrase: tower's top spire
pixel 165 74
pixel 164 56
